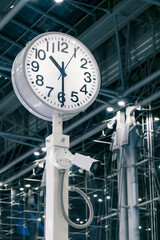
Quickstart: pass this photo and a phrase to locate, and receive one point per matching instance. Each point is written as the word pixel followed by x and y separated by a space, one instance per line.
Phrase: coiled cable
pixel 74 189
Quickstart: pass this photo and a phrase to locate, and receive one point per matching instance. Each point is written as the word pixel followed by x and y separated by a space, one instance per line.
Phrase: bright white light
pixel 12 6
pixel 41 165
pixel 140 227
pixel 121 103
pixel 58 1
pixel 110 109
pixel 43 216
pixel 108 197
pixel 100 200
pixel 21 189
pixel 77 219
pixel 81 222
pixel 156 119
pixel 36 188
pixel 38 219
pixel 44 149
pixel 36 153
pixel 95 195
pixel 149 229
pixel 159 166
pixel 28 185
pixel 140 199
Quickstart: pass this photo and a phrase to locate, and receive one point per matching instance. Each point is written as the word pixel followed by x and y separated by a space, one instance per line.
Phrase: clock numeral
pixel 74 97
pixel 62 47
pixel 84 63
pixel 51 89
pixel 40 54
pixel 84 89
pixel 61 97
pixel 88 77
pixel 39 80
pixel 35 66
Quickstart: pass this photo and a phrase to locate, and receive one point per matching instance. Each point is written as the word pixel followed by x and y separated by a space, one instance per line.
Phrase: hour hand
pixel 57 66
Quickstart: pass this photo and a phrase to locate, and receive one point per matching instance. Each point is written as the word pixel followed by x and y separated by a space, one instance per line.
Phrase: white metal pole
pixel 56 228
pixel 132 177
pixel 122 185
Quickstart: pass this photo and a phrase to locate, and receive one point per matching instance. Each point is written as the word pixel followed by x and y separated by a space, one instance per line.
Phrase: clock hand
pixel 57 65
pixel 68 62
pixel 63 94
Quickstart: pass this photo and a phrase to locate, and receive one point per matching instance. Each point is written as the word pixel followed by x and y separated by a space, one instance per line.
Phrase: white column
pixel 132 177
pixel 56 228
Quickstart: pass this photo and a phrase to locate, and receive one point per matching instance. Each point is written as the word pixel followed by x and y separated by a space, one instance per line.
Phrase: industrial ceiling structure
pixel 124 37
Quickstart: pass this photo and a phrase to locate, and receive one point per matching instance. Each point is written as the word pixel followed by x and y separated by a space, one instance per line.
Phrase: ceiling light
pixel 110 109
pixel 58 1
pixel 108 197
pixel 38 219
pixel 156 119
pixel 140 199
pixel 41 165
pixel 121 103
pixel 100 200
pixel 95 195
pixel 81 222
pixel 140 227
pixel 28 185
pixel 21 189
pixel 44 149
pixel 77 219
pixel 36 153
pixel 12 6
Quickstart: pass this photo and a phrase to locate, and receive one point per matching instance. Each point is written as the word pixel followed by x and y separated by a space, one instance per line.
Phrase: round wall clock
pixel 55 73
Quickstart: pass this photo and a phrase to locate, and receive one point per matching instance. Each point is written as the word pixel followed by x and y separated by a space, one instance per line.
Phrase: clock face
pixel 62 72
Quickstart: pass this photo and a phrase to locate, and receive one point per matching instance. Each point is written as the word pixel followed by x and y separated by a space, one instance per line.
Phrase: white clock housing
pixel 55 73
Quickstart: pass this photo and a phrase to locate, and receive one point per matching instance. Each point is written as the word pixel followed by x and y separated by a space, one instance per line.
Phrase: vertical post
pixel 56 228
pixel 132 177
pixel 122 189
pixel 125 147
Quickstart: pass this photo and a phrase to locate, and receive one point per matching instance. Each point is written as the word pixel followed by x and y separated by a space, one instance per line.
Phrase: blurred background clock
pixel 55 73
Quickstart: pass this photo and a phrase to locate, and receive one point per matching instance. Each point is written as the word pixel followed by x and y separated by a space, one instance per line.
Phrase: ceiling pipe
pixel 88 134
pixel 150 99
pixel 6 69
pixel 19 174
pixel 12 13
pixel 19 159
pixel 141 83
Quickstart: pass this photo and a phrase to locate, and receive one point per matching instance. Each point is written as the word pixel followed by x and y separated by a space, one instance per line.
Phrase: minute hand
pixel 68 62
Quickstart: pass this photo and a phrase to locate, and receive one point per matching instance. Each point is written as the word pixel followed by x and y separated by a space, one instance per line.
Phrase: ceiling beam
pixel 12 13
pixel 55 19
pixel 104 28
